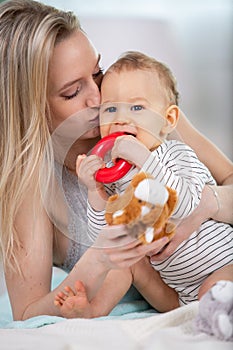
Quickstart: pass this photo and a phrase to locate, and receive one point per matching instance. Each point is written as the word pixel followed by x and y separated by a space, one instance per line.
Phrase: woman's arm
pixel 35 261
pixel 219 165
pixel 209 154
pixel 30 293
pixel 224 197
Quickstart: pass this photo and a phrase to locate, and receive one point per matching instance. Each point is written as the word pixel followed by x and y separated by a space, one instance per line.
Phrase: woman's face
pixel 74 73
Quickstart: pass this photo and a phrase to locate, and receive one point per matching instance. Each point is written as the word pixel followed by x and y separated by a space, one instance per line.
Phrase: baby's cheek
pixel 104 130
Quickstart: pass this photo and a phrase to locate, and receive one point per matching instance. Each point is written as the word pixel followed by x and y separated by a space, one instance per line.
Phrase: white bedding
pixel 135 330
pixel 171 330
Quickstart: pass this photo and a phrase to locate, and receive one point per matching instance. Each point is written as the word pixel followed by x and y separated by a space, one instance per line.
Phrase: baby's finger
pixel 91 165
pixel 122 146
pixel 79 160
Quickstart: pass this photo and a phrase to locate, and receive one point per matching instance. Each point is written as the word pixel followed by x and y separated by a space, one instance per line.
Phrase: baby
pixel 139 97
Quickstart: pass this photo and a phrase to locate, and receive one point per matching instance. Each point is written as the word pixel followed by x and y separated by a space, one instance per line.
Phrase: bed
pixel 128 327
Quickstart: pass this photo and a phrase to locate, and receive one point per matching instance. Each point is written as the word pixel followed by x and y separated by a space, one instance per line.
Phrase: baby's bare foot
pixel 74 304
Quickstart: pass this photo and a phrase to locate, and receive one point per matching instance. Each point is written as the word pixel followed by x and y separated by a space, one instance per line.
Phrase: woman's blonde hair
pixel 132 60
pixel 29 30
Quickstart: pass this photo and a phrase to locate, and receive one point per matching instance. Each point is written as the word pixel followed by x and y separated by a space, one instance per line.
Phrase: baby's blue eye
pixel 137 108
pixel 111 109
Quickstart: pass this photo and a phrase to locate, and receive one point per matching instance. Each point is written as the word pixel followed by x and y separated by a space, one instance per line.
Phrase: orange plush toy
pixel 145 208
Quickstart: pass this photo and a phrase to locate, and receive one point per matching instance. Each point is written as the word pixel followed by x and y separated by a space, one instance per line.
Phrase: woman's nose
pixel 93 98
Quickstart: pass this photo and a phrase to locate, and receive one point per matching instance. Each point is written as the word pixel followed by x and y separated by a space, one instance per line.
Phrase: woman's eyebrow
pixel 70 83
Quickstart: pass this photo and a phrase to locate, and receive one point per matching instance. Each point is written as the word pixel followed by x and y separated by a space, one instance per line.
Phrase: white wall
pixel 194 37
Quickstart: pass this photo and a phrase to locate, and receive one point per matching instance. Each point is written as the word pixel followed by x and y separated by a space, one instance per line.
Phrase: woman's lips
pixel 94 121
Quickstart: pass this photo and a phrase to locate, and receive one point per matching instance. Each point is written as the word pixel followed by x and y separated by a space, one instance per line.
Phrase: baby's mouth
pixel 125 129
pixel 130 133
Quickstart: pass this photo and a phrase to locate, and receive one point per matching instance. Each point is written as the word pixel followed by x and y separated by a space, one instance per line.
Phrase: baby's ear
pixel 171 116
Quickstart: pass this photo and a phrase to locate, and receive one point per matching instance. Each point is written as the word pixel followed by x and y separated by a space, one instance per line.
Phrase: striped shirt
pixel 209 248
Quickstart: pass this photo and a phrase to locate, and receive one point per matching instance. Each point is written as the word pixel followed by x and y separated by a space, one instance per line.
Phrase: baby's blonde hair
pixel 29 30
pixel 132 60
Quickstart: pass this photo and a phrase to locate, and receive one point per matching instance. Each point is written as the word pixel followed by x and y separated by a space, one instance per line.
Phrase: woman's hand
pixel 113 249
pixel 117 250
pixel 206 209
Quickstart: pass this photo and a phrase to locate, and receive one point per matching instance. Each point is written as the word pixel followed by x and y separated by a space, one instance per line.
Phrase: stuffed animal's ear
pixel 152 191
pixel 138 178
pixel 109 218
pixel 112 203
pixel 113 198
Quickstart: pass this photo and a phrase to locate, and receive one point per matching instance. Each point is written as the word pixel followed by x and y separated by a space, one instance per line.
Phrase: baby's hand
pixel 86 168
pixel 130 149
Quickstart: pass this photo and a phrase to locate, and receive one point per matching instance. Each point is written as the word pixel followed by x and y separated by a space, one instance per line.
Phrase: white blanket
pixel 172 330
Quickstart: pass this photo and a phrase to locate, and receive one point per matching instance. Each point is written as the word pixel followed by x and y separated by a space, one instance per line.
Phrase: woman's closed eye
pixel 70 96
pixel 98 74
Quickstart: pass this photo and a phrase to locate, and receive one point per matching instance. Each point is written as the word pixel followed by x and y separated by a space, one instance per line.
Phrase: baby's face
pixel 133 101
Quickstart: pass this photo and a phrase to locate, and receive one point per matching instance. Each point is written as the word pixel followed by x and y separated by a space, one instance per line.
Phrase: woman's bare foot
pixel 74 303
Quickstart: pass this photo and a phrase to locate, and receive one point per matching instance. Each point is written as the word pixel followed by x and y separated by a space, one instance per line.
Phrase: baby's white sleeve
pixel 95 221
pixel 177 166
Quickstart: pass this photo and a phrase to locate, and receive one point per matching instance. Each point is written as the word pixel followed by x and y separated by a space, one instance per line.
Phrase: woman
pixel 50 71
